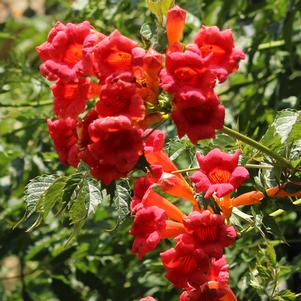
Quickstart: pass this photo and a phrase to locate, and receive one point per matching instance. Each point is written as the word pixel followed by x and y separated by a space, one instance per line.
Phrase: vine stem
pixel 247 166
pixel 239 136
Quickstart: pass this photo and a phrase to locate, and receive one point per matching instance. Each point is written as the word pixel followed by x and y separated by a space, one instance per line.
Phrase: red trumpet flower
pixel 218 173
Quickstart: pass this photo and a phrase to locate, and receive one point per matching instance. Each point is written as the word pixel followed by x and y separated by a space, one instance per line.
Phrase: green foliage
pixel 266 273
pixel 283 135
pixel 75 197
pixel 121 202
pixel 97 264
pixel 159 8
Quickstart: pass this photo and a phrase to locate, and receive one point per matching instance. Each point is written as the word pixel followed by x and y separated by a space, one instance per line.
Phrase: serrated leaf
pixel 284 134
pixel 263 273
pixel 84 200
pixel 35 191
pixel 53 195
pixel 121 201
pixel 256 283
pixel 78 210
pixel 96 195
pixel 73 184
pixel 176 148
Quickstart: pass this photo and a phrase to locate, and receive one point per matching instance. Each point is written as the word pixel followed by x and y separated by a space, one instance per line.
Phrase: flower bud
pixel 175 22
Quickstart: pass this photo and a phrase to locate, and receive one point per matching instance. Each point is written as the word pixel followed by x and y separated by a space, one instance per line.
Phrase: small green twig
pixel 280 211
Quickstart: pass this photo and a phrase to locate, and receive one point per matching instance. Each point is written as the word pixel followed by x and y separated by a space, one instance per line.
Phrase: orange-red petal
pixel 249 198
pixel 151 198
pixel 175 22
pixel 172 229
pixel 278 192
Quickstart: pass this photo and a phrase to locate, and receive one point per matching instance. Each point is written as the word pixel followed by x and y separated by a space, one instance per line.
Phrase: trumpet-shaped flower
pixel 115 148
pixel 218 173
pixel 209 228
pixel 65 139
pixel 184 261
pixel 154 142
pixel 175 22
pixel 287 189
pixel 211 285
pixel 146 69
pixel 62 54
pixel 114 54
pixel 186 69
pixel 83 128
pixel 226 203
pixel 147 226
pixel 218 46
pixel 119 96
pixel 70 98
pixel 197 115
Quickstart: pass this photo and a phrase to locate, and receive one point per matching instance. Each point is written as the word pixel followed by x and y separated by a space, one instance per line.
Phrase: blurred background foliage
pixel 265 262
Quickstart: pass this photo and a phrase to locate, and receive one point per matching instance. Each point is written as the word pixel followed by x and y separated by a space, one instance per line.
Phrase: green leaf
pixel 166 5
pixel 95 194
pixel 53 195
pixel 78 210
pixel 83 166
pixel 155 8
pixel 248 218
pixel 285 295
pixel 271 254
pixel 284 134
pixel 121 201
pixel 84 200
pixel 36 190
pixel 80 4
pixel 34 196
pixel 73 184
pixel 146 32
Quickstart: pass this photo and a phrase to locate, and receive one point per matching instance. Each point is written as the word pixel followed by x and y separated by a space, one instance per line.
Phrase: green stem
pixel 21 105
pixel 282 161
pixel 185 170
pixel 259 166
pixel 280 211
pixel 247 166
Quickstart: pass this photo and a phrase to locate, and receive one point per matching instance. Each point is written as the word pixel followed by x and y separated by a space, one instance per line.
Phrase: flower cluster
pixel 191 73
pixel 106 90
pixel 196 263
pixel 120 77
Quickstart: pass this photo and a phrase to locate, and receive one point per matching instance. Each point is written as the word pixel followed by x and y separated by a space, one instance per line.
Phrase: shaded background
pixel 98 265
